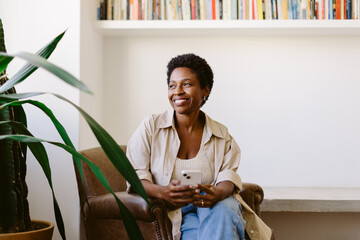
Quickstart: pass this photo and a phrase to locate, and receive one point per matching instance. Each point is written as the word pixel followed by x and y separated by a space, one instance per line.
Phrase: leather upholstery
pixel 102 220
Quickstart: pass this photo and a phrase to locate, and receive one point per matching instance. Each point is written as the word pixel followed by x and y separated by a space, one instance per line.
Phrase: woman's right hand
pixel 176 195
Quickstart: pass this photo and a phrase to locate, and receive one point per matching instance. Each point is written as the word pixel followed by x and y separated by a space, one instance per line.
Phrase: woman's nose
pixel 179 90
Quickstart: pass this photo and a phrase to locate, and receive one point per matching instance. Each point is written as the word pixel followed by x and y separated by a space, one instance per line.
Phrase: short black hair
pixel 198 65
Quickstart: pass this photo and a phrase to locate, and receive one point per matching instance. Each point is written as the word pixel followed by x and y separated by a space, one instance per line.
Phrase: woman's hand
pixel 212 194
pixel 176 195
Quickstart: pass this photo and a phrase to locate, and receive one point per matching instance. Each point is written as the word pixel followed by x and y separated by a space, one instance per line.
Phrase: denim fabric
pixel 223 221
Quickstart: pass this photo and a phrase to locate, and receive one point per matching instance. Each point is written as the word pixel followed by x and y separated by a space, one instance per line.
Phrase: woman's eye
pixel 171 86
pixel 187 84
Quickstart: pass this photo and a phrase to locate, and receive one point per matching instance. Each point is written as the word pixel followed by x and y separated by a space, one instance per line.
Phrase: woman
pixel 185 138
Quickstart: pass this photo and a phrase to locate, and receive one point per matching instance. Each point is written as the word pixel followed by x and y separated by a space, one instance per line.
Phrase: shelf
pixel 312 199
pixel 230 27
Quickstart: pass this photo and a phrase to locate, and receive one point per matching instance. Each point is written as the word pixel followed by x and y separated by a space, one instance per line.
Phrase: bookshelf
pixel 228 27
pixel 269 64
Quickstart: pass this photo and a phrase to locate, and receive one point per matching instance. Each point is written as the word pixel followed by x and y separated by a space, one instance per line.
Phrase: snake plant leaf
pixel 131 226
pixel 43 63
pixel 59 127
pixel 28 68
pixel 20 116
pixel 39 152
pixel 110 147
pixel 4 62
pixel 12 97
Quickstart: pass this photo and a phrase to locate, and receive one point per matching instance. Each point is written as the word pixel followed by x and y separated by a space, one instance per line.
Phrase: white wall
pixel 29 25
pixel 290 102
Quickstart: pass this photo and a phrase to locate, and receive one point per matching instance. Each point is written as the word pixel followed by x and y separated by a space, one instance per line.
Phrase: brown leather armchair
pixel 103 221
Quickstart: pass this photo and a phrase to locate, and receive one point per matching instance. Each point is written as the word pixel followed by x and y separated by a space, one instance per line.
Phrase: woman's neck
pixel 189 122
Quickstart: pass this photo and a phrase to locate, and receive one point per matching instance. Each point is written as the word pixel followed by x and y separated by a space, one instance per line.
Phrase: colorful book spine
pixel 348 9
pixel 203 10
pixel 254 10
pixel 208 9
pixel 226 10
pixel 98 6
pixel 187 15
pixel 274 10
pixel 259 6
pixel 234 9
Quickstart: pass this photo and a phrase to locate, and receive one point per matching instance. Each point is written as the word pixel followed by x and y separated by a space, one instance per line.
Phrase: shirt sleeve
pixel 139 149
pixel 230 164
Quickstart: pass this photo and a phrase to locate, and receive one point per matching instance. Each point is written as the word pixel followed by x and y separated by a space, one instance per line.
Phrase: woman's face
pixel 184 91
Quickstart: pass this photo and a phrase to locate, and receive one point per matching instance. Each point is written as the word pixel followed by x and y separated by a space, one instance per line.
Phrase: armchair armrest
pixel 253 195
pixel 103 217
pixel 105 207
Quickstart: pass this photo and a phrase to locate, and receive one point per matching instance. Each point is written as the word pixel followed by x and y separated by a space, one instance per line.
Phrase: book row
pixel 226 9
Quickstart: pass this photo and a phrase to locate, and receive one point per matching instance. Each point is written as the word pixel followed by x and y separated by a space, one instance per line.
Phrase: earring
pixel 204 99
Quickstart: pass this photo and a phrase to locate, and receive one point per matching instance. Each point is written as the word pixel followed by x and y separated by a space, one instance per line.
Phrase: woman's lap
pixel 222 221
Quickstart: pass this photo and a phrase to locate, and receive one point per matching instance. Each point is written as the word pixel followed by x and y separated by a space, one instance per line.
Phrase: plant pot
pixel 44 233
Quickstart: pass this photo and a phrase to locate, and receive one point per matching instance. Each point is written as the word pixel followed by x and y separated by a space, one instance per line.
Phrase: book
pixel 274 9
pixel 168 11
pixel 254 10
pixel 285 9
pixel 173 9
pixel 109 11
pixel 226 7
pixel 268 9
pixel 348 9
pixel 98 5
pixel 342 9
pixel 103 10
pixel 280 9
pixel 117 9
pixel 186 12
pixel 197 9
pixel 208 9
pixel 179 10
pixel 213 7
pixel 259 7
pixel 331 10
pixel 203 10
pixel 249 9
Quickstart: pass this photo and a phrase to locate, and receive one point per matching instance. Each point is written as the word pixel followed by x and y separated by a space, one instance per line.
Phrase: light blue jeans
pixel 223 221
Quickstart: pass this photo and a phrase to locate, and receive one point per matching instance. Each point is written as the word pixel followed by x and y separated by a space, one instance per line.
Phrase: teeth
pixel 180 101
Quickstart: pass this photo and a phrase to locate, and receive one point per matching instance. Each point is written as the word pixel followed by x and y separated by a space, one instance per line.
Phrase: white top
pixel 199 162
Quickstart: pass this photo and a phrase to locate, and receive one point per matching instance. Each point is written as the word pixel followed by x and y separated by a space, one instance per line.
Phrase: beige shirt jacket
pixel 153 149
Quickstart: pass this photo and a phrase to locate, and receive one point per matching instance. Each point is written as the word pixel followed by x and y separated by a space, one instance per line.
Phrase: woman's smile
pixel 180 101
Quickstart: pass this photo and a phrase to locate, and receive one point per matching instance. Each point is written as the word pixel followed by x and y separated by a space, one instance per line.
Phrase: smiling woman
pixel 185 138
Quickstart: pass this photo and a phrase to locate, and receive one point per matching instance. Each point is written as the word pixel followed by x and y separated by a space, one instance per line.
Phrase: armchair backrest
pixel 92 185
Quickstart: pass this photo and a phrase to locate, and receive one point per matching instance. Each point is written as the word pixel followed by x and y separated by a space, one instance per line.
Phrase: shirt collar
pixel 212 126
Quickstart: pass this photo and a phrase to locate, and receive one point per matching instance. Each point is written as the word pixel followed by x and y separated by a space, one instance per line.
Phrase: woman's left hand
pixel 213 194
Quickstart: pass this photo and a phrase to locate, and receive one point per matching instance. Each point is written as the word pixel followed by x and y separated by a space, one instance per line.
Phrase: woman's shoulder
pixel 159 120
pixel 217 128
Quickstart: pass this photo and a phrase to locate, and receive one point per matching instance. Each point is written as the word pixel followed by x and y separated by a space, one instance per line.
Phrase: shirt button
pixel 252 231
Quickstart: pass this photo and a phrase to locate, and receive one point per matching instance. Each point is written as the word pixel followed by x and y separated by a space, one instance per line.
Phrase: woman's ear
pixel 207 91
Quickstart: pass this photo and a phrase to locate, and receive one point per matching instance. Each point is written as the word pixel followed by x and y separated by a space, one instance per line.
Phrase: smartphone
pixel 190 177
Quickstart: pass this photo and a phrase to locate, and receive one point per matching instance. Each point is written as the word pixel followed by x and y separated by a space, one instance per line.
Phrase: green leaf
pixel 42 62
pixel 28 69
pixel 132 228
pixel 110 147
pixel 12 97
pixel 20 116
pixel 4 62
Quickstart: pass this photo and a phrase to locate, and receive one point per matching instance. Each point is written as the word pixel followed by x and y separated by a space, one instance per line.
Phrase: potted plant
pixel 15 138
